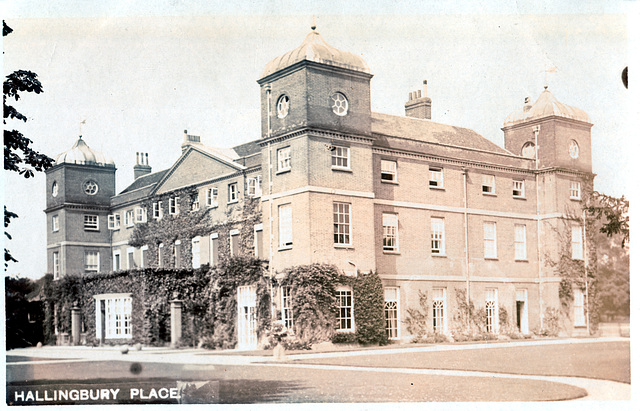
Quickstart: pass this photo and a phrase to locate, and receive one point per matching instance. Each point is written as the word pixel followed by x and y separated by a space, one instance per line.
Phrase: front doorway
pixel 522 315
pixel 247 322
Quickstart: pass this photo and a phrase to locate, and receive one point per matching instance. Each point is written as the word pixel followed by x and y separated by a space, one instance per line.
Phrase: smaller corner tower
pixel 79 189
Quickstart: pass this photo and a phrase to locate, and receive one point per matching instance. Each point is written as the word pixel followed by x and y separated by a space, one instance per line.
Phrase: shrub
pixel 344 338
pixel 313 301
pixel 369 309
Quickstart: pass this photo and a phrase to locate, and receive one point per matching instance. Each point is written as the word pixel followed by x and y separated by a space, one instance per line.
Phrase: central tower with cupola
pixel 315 86
pixel 316 136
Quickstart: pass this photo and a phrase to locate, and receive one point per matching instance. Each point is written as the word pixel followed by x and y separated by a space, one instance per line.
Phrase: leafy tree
pixel 615 212
pixel 18 155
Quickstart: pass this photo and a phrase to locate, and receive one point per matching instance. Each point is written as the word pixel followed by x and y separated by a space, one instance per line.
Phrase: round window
pixel 529 150
pixel 283 106
pixel 54 189
pixel 340 105
pixel 90 187
pixel 574 150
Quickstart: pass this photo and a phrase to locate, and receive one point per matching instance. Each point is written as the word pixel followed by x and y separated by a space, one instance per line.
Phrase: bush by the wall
pixel 313 302
pixel 368 295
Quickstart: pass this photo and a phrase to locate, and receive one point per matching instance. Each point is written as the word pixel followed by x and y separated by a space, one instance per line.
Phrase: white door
pixel 522 311
pixel 247 324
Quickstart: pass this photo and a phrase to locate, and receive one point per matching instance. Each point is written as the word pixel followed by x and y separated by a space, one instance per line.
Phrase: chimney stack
pixel 419 105
pixel 189 139
pixel 527 104
pixel 142 165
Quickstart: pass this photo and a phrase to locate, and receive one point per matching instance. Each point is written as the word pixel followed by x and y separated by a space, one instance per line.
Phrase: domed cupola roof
pixel 314 48
pixel 81 153
pixel 546 106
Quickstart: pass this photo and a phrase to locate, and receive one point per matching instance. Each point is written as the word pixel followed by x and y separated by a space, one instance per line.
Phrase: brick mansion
pixel 427 206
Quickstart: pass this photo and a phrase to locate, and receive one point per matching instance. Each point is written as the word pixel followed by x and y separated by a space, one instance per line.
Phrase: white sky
pixel 140 78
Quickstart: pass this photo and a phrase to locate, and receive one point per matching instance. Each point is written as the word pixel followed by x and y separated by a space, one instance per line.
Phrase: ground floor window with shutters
pixel 195 252
pixel 491 306
pixel 213 249
pixel 439 310
pixel 345 309
pixel 234 242
pixel 391 299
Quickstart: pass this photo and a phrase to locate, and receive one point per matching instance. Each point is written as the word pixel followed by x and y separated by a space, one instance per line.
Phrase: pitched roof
pixel 431 132
pixel 145 180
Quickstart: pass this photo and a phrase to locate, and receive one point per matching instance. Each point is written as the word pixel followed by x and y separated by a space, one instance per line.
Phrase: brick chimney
pixel 419 105
pixel 142 166
pixel 189 139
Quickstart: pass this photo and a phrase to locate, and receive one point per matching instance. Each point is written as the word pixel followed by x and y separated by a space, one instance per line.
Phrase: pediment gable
pixel 193 167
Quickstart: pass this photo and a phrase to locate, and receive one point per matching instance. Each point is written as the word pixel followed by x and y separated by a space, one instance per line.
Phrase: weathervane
pixel 313 22
pixel 546 70
pixel 81 123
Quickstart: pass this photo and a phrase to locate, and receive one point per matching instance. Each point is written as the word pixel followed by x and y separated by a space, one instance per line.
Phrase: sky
pixel 141 72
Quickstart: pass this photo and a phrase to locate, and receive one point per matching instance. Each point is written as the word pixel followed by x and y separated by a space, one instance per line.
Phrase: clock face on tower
pixel 90 187
pixel 529 150
pixel 574 150
pixel 340 105
pixel 282 106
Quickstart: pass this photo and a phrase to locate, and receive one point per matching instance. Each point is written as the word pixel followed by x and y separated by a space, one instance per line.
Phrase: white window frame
pixel 195 252
pixel 233 233
pixel 575 190
pixel 390 233
pixel 254 186
pixel 284 159
pixel 212 237
pixel 232 190
pixel 174 205
pixel 492 310
pixel 195 203
pixel 55 223
pixel 143 250
pixel 157 210
pixel 114 221
pixel 579 318
pixel 342 234
pixel 490 239
pixel 488 184
pixel 285 226
pixel 287 311
pixel 129 218
pixel 436 177
pixel 212 197
pixel 439 310
pixel 130 256
pixel 117 260
pixel 56 264
pixel 392 312
pixel 341 157
pixel 389 168
pixel 518 189
pixel 140 215
pixel 345 320
pixel 94 267
pixel 577 246
pixel 117 316
pixel 520 241
pixel 437 236
pixel 91 222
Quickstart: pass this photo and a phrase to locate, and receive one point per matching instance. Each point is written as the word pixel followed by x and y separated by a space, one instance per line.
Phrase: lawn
pixel 600 360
